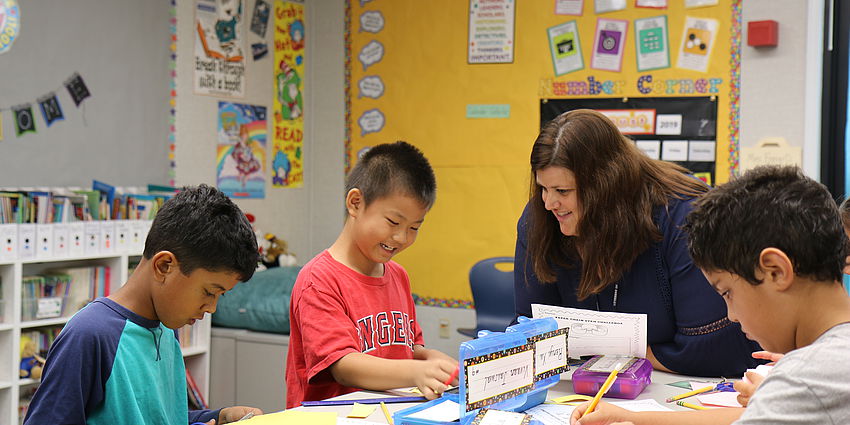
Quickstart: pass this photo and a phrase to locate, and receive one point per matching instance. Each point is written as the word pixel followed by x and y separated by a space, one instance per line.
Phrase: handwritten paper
pixel 550 354
pixel 559 414
pixel 598 332
pixel 498 376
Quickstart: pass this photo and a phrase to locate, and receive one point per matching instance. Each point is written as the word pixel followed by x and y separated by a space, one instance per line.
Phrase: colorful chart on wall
pixel 288 103
pixel 405 81
pixel 241 153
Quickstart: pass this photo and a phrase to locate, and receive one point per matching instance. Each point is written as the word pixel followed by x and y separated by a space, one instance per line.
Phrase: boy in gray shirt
pixel 771 243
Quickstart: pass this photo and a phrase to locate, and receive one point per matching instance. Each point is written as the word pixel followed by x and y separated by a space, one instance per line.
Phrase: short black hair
pixel 204 229
pixel 769 206
pixel 393 168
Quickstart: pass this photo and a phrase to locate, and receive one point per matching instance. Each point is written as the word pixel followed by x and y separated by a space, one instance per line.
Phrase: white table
pixel 658 390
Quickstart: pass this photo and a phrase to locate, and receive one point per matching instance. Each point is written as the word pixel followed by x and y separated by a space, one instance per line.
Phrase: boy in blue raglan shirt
pixel 117 360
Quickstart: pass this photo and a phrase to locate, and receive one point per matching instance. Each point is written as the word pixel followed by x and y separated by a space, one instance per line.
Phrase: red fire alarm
pixel 763 33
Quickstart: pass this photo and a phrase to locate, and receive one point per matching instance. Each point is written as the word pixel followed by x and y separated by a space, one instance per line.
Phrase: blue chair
pixel 493 295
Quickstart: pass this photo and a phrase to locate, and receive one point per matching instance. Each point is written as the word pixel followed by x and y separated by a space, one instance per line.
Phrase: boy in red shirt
pixel 352 318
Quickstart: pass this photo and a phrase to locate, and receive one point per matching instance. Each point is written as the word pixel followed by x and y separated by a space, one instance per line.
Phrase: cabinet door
pixel 222 372
pixel 261 375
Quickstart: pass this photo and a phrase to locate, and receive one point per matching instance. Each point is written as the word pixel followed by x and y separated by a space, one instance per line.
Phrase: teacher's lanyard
pixel 614 304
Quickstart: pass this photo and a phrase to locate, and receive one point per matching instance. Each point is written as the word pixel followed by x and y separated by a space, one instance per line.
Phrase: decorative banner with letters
pixel 51 109
pixel 288 121
pixel 24 120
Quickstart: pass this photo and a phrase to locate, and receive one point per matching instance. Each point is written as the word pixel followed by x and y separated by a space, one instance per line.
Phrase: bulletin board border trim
pixel 347 95
pixel 442 302
pixel 734 88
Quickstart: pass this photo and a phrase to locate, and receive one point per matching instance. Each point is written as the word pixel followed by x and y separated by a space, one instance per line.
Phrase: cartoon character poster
pixel 219 48
pixel 241 154
pixel 288 121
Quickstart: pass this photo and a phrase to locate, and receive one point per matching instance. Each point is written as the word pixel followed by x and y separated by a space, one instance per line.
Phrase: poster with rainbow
pixel 241 153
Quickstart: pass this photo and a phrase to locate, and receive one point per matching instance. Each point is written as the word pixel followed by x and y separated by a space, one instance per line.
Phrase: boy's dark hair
pixel 204 229
pixel 393 167
pixel 769 206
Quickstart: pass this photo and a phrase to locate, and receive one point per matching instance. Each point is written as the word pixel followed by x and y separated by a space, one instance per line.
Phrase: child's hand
pixel 235 413
pixel 431 375
pixel 746 389
pixel 605 413
pixel 767 355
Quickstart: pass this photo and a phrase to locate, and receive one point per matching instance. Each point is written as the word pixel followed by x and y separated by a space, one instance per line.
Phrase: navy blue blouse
pixel 687 327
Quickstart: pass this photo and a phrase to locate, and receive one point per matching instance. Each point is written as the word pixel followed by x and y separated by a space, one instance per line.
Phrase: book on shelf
pixel 61 292
pixel 193 389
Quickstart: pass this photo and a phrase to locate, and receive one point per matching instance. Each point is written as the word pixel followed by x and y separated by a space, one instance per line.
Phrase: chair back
pixel 493 294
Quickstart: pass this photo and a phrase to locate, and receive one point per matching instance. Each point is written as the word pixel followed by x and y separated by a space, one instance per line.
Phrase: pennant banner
pixel 24 120
pixel 50 109
pixel 77 88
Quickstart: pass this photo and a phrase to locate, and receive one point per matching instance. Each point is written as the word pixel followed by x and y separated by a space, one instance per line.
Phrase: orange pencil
pixel 452 376
pixel 602 390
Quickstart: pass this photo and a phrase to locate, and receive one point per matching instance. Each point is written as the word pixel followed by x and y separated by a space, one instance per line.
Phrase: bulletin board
pixel 413 74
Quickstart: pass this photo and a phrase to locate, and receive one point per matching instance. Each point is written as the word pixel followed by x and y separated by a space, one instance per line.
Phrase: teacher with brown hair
pixel 602 231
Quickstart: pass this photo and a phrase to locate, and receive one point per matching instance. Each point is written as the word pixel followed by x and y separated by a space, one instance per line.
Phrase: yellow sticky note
pixel 293 417
pixel 362 410
pixel 572 399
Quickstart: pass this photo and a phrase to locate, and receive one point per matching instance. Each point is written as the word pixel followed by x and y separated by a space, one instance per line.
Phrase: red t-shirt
pixel 335 311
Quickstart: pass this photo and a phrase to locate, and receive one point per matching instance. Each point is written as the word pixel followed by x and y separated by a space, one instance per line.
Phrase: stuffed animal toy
pixel 276 252
pixel 31 363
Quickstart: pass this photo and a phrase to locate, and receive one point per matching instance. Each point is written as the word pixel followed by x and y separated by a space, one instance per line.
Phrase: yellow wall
pixel 482 164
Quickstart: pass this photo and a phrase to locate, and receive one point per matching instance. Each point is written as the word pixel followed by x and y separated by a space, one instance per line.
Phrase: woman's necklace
pixel 614 303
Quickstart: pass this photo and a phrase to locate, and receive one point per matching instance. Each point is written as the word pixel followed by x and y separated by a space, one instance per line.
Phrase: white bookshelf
pixel 11 275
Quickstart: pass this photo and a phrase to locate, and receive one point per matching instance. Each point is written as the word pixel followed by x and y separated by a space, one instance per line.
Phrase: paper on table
pixel 447 411
pixel 598 332
pixel 350 421
pixel 720 398
pixel 362 410
pixel 559 414
pixel 292 417
pixel 761 369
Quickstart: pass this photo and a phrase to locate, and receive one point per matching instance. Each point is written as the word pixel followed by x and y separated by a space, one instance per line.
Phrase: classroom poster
pixel 241 153
pixel 697 43
pixel 219 48
pixel 565 48
pixel 491 31
pixel 605 6
pixel 651 47
pixel 288 103
pixel 608 44
pixel 569 7
pixel 652 4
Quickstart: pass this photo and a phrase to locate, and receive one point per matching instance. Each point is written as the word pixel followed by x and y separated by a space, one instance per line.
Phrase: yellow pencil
pixel 691 405
pixel 386 413
pixel 690 393
pixel 602 390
